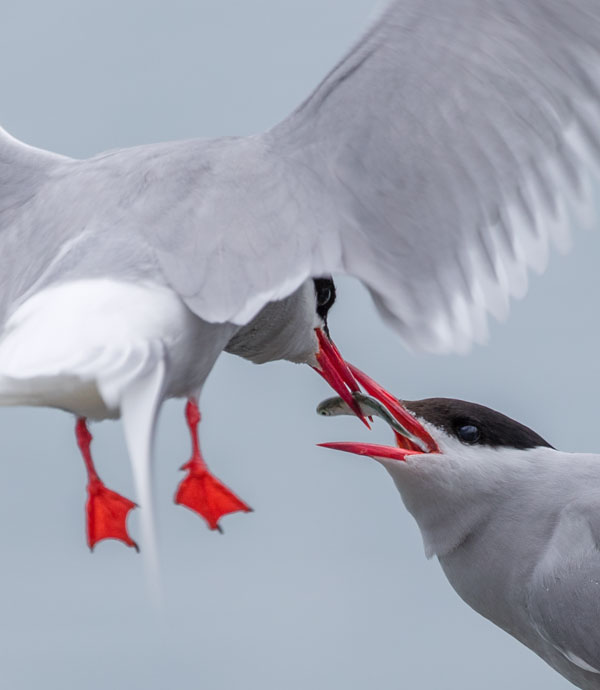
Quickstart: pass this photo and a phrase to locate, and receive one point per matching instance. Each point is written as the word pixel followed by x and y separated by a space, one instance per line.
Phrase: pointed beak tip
pixel 344 446
pixel 364 420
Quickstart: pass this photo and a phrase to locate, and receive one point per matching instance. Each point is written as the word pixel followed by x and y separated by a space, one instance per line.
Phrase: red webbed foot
pixel 201 491
pixel 106 515
pixel 105 510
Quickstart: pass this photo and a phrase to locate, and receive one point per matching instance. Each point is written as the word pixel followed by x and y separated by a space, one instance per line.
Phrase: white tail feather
pixel 139 409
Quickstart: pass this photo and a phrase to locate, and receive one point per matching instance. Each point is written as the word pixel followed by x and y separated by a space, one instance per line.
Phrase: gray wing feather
pixel 436 163
pixel 23 170
pixel 452 140
pixel 563 596
pixel 24 173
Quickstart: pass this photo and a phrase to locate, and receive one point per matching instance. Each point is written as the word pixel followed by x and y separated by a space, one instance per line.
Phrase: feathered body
pixel 436 163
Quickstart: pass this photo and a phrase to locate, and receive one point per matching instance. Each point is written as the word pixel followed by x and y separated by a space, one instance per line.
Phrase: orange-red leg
pixel 105 510
pixel 200 490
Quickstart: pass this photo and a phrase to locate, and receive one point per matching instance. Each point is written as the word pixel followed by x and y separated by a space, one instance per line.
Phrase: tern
pixel 436 163
pixel 513 522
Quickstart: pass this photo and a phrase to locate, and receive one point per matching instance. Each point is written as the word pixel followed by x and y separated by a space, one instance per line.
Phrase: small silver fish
pixel 335 407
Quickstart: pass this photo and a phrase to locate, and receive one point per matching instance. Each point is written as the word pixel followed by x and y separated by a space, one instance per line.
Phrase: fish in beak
pixel 411 436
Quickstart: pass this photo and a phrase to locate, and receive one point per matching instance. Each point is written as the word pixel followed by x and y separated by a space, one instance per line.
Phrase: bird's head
pixel 295 329
pixel 455 439
pixel 452 461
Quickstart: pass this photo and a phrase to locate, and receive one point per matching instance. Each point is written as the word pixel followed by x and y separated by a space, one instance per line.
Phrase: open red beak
pixel 373 450
pixel 334 369
pixel 411 436
pixel 395 408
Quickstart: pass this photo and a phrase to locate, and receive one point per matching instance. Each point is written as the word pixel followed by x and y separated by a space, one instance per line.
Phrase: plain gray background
pixel 326 584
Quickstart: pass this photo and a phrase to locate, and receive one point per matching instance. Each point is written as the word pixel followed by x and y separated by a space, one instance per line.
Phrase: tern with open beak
pixel 436 163
pixel 514 523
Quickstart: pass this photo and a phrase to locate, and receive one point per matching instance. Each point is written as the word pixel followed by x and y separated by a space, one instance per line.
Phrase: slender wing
pixel 24 236
pixel 435 163
pixel 564 591
pixel 23 170
pixel 449 144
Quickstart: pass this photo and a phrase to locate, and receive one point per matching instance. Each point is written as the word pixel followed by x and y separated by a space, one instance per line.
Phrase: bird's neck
pixel 449 498
pixel 283 329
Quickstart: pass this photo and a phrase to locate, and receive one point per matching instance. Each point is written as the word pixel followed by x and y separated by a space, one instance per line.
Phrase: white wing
pixel 23 169
pixel 452 140
pixel 435 163
pixel 24 173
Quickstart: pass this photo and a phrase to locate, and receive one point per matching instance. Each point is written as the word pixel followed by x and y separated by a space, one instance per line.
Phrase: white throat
pixel 452 493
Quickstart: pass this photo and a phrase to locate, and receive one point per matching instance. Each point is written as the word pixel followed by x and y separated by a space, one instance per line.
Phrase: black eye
pixel 325 295
pixel 468 433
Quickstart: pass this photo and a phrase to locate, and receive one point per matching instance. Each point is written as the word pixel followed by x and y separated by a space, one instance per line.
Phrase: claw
pixel 203 493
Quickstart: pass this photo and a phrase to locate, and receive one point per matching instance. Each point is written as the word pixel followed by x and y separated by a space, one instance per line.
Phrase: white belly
pixel 78 345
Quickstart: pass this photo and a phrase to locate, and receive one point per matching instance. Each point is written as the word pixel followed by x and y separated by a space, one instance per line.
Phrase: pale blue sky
pixel 325 586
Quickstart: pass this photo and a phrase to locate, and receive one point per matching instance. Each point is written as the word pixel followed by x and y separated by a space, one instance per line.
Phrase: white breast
pixel 78 345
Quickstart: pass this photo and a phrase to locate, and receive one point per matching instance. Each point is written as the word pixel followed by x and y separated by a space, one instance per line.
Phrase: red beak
pixel 411 436
pixel 397 411
pixel 334 369
pixel 373 450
